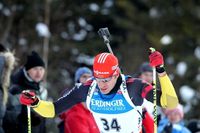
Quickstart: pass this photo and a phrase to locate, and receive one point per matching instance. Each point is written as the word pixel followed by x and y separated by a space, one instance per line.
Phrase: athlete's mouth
pixel 103 89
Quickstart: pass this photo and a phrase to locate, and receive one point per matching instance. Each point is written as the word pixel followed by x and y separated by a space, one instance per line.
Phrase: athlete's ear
pixel 117 72
pixel 117 75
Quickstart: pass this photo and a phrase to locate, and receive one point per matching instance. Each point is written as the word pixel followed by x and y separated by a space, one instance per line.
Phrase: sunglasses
pixel 104 79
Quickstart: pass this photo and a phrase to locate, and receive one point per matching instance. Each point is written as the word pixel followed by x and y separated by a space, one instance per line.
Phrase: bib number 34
pixel 113 125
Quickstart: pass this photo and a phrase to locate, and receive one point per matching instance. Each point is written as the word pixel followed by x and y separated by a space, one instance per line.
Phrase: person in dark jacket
pixel 146 73
pixel 7 61
pixel 28 77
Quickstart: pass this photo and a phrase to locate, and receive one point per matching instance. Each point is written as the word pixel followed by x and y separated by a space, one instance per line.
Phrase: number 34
pixel 109 126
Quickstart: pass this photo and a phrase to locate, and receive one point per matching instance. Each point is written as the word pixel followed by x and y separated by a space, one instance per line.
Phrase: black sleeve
pixel 135 87
pixel 15 89
pixel 76 95
pixel 139 89
pixel 150 98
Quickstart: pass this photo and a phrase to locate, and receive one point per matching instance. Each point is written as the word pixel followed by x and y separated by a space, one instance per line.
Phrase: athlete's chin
pixel 104 91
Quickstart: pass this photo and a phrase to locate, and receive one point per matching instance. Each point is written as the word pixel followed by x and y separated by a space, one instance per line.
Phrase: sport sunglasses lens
pixel 103 79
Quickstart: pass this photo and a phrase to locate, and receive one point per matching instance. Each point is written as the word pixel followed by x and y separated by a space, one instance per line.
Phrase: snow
pixel 198 77
pixel 42 30
pixel 94 7
pixel 89 27
pixel 1 6
pixel 16 8
pixel 64 35
pixel 71 27
pixel 190 96
pixel 154 13
pixel 197 52
pixel 80 35
pixel 56 48
pixel 105 11
pixel 170 60
pixel 75 51
pixel 82 22
pixel 6 12
pixel 108 3
pixel 82 58
pixel 22 41
pixel 171 76
pixel 187 108
pixel 166 40
pixel 181 68
pixel 65 76
pixel 186 93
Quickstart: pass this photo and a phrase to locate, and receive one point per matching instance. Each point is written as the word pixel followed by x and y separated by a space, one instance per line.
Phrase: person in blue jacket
pixel 173 122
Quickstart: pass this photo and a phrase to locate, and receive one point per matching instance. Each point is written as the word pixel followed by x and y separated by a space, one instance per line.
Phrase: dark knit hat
pixel 145 67
pixel 34 60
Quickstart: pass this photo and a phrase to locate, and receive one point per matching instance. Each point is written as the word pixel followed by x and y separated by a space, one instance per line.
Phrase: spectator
pixel 146 73
pixel 78 119
pixel 82 75
pixel 7 61
pixel 173 122
pixel 29 77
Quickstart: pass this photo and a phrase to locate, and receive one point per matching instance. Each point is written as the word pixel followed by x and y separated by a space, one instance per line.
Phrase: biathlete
pixel 114 99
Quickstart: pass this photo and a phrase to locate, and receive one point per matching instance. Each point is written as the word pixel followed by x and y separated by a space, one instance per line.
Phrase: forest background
pixel 65 34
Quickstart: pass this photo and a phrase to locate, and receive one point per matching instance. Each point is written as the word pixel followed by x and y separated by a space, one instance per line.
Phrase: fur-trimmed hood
pixel 7 62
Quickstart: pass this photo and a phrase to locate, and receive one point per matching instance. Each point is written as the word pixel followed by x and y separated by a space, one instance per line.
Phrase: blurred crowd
pixel 78 119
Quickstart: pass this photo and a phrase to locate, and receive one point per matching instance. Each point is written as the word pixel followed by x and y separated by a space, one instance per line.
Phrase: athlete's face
pixel 107 84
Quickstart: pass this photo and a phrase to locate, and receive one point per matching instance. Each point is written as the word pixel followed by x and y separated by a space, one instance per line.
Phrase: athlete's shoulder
pixel 130 79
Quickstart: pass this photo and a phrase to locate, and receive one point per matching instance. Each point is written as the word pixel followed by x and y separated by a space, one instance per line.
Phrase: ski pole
pixel 154 95
pixel 29 119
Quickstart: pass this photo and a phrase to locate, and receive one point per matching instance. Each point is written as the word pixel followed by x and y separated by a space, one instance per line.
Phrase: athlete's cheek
pixel 101 84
